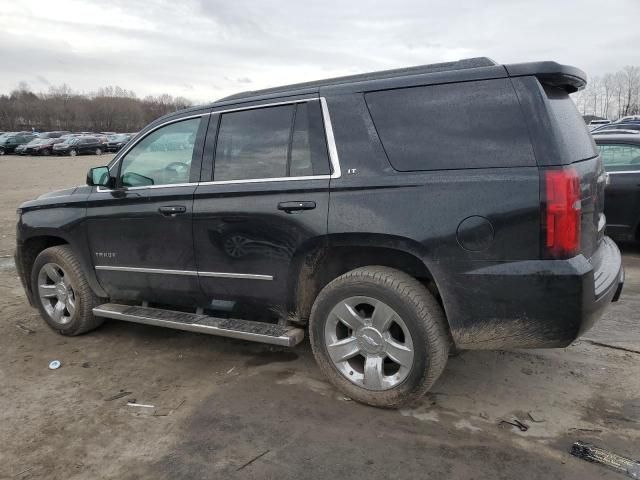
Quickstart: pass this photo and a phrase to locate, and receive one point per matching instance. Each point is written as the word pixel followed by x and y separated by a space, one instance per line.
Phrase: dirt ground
pixel 231 409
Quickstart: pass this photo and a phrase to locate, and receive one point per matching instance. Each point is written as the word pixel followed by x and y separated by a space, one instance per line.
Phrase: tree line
pixel 611 96
pixel 110 109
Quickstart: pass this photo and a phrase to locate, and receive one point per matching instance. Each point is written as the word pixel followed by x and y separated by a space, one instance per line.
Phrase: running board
pixel 193 322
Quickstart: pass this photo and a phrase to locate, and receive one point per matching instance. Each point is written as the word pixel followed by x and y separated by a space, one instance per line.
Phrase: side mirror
pixel 99 177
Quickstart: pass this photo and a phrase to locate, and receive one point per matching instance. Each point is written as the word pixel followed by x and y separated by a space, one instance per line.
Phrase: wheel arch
pixel 31 247
pixel 320 260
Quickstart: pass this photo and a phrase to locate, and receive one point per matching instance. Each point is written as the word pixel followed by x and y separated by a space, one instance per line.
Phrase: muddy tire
pixel 379 336
pixel 62 293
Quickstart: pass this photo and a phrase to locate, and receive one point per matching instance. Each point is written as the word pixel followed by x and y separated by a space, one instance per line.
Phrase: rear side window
pixel 572 133
pixel 453 126
pixel 273 142
pixel 621 157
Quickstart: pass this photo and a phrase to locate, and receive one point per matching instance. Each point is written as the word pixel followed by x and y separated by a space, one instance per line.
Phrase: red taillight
pixel 563 211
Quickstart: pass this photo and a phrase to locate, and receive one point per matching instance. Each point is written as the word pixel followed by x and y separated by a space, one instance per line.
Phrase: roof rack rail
pixel 476 62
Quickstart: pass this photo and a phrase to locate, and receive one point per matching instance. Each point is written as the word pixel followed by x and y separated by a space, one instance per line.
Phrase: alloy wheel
pixel 369 343
pixel 56 293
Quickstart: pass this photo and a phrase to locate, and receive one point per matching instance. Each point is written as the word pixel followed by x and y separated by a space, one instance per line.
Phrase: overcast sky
pixel 206 49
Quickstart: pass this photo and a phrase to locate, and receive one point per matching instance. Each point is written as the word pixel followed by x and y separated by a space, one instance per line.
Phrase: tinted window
pixel 572 133
pixel 261 143
pixel 620 157
pixel 464 125
pixel 162 157
pixel 308 145
pixel 253 143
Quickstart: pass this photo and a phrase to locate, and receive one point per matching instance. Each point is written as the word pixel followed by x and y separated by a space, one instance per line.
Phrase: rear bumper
pixel 533 304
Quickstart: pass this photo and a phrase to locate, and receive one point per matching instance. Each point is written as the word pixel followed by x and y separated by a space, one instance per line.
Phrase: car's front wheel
pixel 73 152
pixel 98 151
pixel 379 336
pixel 62 293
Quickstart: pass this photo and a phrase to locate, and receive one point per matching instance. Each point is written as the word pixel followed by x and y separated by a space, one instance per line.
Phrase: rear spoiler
pixel 555 74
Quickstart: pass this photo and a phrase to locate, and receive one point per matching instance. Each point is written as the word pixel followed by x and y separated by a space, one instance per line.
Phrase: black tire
pixel 98 151
pixel 73 152
pixel 82 320
pixel 46 152
pixel 420 312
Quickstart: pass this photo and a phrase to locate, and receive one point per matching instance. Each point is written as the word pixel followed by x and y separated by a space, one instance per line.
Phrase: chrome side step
pixel 192 322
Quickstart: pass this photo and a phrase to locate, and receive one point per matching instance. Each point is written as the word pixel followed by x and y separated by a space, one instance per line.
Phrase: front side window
pixel 271 142
pixel 161 158
pixel 620 157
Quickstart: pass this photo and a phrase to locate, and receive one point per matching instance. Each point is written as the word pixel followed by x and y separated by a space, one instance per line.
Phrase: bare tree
pixel 110 108
pixel 631 83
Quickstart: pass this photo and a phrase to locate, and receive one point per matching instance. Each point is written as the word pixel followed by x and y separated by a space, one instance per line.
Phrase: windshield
pixel 70 140
pixel 38 141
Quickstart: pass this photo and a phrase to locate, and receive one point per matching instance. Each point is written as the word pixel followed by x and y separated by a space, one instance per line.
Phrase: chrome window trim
pixel 274 104
pixel 328 128
pixel 261 180
pixel 195 273
pixel 623 171
pixel 331 141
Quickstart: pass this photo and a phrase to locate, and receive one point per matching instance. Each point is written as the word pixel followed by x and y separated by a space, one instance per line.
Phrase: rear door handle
pixel 296 206
pixel 172 210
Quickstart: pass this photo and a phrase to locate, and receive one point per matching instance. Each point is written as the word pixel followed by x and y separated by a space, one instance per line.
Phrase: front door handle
pixel 296 206
pixel 172 210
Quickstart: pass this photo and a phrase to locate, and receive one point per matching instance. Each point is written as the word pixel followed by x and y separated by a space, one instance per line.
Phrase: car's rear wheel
pixel 1 151
pixel 46 152
pixel 73 152
pixel 98 151
pixel 62 293
pixel 379 336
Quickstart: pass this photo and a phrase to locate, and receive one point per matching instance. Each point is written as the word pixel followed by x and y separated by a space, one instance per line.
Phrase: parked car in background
pixel 629 118
pixel 9 142
pixel 103 139
pixel 618 126
pixel 55 134
pixel 621 157
pixel 79 145
pixel 40 146
pixel 596 123
pixel 117 141
pixel 20 149
pixel 616 132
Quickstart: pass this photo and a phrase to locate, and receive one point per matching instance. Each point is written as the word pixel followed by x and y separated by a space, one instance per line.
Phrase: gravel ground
pixel 232 409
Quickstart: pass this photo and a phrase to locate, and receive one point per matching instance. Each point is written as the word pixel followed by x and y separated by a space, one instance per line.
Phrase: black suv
pixel 79 145
pixel 39 146
pixel 117 141
pixel 10 141
pixel 396 215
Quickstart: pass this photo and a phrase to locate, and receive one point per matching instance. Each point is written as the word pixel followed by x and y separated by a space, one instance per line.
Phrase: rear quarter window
pixel 572 133
pixel 452 126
